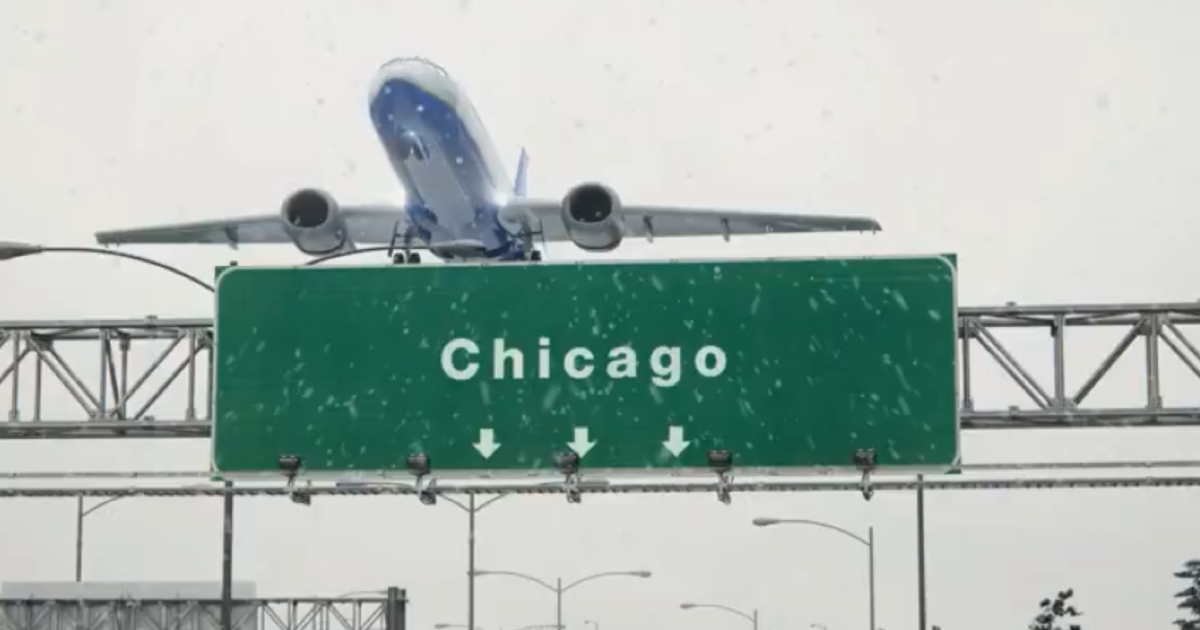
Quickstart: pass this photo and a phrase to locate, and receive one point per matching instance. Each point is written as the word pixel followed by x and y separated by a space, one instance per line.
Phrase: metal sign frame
pixel 723 473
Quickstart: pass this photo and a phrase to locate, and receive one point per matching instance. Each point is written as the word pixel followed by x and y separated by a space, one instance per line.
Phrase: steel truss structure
pixel 114 362
pixel 108 403
pixel 1161 326
pixel 176 614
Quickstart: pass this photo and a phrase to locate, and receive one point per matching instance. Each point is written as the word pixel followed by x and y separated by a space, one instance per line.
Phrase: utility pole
pixel 921 550
pixel 227 560
pixel 394 615
pixel 79 538
pixel 871 570
pixel 558 605
pixel 471 562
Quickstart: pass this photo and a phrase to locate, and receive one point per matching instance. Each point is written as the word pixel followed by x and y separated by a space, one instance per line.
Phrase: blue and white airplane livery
pixel 460 204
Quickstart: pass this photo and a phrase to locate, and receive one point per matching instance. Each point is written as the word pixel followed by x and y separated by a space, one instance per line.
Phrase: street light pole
pixel 752 617
pixel 558 587
pixel 79 514
pixel 871 572
pixel 79 538
pixel 921 552
pixel 9 250
pixel 869 541
pixel 471 563
pixel 471 509
pixel 558 604
pixel 227 558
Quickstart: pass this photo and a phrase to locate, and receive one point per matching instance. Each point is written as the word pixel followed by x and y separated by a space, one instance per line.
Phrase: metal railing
pixel 196 614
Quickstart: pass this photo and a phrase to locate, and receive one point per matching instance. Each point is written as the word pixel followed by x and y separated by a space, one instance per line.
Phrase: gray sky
pixel 1050 145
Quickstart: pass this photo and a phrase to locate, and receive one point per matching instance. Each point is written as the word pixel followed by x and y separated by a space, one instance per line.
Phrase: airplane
pixel 459 204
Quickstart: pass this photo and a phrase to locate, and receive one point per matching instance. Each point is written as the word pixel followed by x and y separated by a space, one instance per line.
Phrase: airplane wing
pixel 365 223
pixel 651 221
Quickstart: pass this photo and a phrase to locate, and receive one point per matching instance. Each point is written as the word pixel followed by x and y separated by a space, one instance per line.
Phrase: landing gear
pixel 400 258
pixel 535 256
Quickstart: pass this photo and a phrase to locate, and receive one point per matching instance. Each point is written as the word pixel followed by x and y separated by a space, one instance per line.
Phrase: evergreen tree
pixel 1190 596
pixel 1051 611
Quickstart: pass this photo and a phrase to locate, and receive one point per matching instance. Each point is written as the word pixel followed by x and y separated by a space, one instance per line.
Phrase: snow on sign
pixel 500 369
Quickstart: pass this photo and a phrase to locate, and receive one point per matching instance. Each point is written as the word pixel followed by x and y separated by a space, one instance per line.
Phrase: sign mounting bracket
pixel 568 465
pixel 864 459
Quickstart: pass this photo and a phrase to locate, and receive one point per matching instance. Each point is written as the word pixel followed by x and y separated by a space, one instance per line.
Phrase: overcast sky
pixel 1051 146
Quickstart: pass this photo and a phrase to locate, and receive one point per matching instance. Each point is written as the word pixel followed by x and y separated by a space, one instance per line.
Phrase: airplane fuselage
pixel 439 149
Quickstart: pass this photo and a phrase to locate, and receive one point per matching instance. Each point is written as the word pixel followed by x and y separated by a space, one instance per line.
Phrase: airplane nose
pixel 416 71
pixel 413 64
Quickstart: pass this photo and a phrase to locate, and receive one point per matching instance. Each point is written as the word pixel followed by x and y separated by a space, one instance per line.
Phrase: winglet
pixel 522 169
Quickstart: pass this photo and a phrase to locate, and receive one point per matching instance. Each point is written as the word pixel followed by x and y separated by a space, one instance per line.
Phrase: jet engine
pixel 592 215
pixel 313 222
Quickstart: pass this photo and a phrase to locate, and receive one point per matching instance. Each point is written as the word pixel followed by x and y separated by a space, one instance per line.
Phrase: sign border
pixel 584 471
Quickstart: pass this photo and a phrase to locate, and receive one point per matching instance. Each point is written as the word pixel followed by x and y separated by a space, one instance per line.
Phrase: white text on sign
pixel 460 361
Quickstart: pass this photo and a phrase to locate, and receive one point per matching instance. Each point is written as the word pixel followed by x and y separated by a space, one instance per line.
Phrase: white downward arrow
pixel 487 443
pixel 675 442
pixel 581 445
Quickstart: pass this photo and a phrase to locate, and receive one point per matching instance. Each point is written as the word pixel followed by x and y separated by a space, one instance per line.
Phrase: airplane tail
pixel 522 169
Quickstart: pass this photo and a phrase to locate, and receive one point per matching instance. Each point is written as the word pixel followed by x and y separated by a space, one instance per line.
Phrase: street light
pixel 10 250
pixel 79 514
pixel 349 593
pixel 471 509
pixel 354 252
pixel 752 618
pixel 869 541
pixel 558 587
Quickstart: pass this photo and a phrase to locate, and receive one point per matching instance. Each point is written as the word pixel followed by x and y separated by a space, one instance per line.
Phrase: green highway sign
pixel 498 369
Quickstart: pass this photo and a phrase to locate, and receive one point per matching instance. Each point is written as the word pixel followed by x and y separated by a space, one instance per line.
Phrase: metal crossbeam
pixel 946 482
pixel 153 377
pixel 192 614
pixel 200 475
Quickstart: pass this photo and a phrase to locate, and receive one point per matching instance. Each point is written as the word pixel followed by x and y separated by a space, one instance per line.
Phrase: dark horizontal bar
pixel 1016 310
pixel 1052 419
pixel 203 601
pixel 145 322
pixel 1021 419
pixel 44 429
pixel 1141 464
pixel 988 321
pixel 947 482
